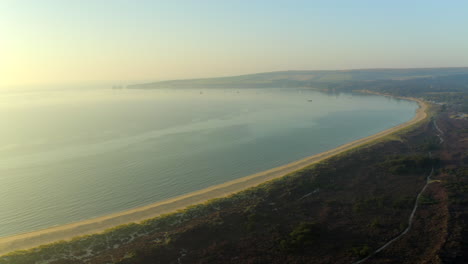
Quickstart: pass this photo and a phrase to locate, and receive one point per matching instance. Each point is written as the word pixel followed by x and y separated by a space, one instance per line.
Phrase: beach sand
pixel 87 227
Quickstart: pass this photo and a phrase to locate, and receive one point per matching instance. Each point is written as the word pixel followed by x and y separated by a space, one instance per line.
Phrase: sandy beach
pixel 66 232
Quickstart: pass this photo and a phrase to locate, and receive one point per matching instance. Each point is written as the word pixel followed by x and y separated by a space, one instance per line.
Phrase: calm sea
pixel 72 155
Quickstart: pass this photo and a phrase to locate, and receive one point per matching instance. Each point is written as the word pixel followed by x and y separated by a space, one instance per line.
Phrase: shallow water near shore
pixel 71 155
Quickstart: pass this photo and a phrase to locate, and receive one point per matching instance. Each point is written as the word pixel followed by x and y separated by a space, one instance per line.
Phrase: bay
pixel 70 155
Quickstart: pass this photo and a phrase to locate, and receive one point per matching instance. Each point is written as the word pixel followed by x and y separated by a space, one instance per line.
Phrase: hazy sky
pixel 98 40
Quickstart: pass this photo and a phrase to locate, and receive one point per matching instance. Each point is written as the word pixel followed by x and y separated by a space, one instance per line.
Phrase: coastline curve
pixel 139 214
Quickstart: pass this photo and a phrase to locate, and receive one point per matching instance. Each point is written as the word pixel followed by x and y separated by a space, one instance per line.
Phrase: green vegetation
pixel 457 185
pixel 361 251
pixel 427 200
pixel 304 234
pixel 371 203
pixel 431 144
pixel 400 164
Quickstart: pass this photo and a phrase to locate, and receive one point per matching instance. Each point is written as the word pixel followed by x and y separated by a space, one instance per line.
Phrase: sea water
pixel 70 155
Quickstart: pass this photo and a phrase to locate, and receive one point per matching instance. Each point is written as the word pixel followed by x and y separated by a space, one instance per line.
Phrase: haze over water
pixel 72 155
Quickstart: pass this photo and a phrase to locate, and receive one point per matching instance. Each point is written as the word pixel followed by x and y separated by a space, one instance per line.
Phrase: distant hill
pixel 302 78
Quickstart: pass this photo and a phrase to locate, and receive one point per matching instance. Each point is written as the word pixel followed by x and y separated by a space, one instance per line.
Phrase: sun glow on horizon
pixel 44 42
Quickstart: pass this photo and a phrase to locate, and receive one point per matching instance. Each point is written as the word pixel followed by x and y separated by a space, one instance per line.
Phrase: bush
pixel 302 235
pixel 362 251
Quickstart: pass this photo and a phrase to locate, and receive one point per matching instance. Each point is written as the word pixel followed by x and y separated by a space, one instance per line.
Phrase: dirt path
pixel 66 232
pixel 440 134
pixel 410 222
pixel 415 207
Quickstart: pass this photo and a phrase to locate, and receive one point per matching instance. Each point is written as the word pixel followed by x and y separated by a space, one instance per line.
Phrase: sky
pixel 131 41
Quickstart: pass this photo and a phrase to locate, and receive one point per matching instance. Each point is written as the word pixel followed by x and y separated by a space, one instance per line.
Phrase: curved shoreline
pixel 96 225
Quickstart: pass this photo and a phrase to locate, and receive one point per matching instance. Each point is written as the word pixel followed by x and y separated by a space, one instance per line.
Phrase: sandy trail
pixel 66 232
